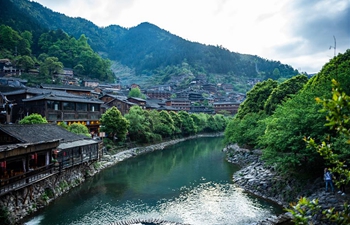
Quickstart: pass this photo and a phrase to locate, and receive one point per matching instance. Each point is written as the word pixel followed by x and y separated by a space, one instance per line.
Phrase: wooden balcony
pixel 20 180
pixel 72 116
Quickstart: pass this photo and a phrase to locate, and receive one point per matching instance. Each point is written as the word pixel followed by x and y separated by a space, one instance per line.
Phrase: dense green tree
pixel 136 93
pixel 25 62
pixel 165 127
pixel 79 128
pixel 337 109
pixel 276 74
pixel 50 66
pixel 114 124
pixel 140 129
pixel 14 45
pixel 33 118
pixel 188 126
pixel 283 138
pixel 284 91
pixel 177 122
pixel 220 121
pixel 76 54
pixel 256 98
pixel 197 122
pixel 338 69
pixel 246 131
pixel 299 117
pixel 212 126
pixel 202 123
pixel 63 124
pixel 27 36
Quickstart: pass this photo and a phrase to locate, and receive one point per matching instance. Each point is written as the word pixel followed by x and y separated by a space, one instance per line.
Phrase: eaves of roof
pixel 65 87
pixel 63 98
pixel 39 133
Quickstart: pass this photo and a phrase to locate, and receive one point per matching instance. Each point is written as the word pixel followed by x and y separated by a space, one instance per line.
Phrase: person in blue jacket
pixel 328 179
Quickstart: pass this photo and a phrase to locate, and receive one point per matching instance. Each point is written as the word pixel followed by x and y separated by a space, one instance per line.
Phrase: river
pixel 189 182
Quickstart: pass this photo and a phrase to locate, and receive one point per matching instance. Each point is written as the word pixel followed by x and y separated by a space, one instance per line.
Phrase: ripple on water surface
pixel 206 204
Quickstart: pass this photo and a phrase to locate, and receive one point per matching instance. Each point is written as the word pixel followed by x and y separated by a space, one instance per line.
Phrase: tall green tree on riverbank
pixel 114 124
pixel 284 91
pixel 256 98
pixel 188 126
pixel 337 109
pixel 300 117
pixel 141 127
pixel 280 132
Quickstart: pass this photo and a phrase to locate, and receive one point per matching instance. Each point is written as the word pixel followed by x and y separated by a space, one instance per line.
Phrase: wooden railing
pixel 20 180
pixel 24 179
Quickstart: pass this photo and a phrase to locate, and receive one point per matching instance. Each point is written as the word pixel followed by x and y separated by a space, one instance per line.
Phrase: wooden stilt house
pixel 30 153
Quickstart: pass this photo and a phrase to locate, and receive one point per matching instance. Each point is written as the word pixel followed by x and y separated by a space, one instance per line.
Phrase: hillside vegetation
pixel 145 54
pixel 277 117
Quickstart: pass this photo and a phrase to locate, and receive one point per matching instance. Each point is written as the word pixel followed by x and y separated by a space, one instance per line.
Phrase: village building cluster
pixel 31 153
pixel 84 101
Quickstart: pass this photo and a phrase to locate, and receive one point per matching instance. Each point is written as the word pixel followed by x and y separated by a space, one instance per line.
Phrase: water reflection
pixel 189 183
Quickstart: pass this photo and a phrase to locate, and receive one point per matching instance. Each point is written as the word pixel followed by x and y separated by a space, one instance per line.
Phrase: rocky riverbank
pixel 263 181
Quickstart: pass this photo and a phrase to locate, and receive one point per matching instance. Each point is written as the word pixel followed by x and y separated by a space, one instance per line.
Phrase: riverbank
pixel 110 160
pixel 18 205
pixel 263 181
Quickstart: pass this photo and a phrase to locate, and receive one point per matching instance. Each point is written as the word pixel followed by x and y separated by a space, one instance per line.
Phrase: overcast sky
pixel 296 32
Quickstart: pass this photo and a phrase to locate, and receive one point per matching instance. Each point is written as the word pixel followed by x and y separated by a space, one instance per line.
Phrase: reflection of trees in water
pixel 137 173
pixel 154 167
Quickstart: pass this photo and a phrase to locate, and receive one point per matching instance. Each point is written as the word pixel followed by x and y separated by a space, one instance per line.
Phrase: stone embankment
pixel 263 181
pixel 23 202
pixel 19 204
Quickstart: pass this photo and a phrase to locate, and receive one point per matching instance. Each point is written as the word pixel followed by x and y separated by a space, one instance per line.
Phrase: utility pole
pixel 335 46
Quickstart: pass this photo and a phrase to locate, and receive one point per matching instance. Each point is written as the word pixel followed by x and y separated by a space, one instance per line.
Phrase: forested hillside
pixel 145 53
pixel 277 117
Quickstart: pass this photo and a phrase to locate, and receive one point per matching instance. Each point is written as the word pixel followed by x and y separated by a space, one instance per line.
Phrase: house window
pixel 55 105
pixel 81 107
pixel 94 107
pixel 68 106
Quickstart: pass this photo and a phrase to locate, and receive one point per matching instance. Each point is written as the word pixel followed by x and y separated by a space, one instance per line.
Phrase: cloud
pixel 314 24
pixel 295 32
pixel 309 30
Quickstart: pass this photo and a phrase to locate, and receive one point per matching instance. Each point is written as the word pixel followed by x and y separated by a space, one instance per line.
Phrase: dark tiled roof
pixel 119 97
pixel 226 103
pixel 38 91
pixel 6 88
pixel 65 87
pixel 36 133
pixel 138 99
pixel 71 98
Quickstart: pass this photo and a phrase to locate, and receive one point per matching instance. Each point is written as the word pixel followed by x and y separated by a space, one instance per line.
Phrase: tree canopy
pixel 79 128
pixel 136 93
pixel 256 98
pixel 56 50
pixel 33 118
pixel 114 124
pixel 284 91
pixel 277 119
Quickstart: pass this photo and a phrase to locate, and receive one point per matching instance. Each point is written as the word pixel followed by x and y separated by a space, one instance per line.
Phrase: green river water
pixel 190 182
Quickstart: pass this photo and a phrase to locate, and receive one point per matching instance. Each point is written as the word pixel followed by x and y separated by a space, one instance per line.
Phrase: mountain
pixel 147 54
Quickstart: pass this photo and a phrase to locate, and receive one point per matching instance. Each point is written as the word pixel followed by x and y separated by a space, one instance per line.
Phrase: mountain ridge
pixel 146 49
